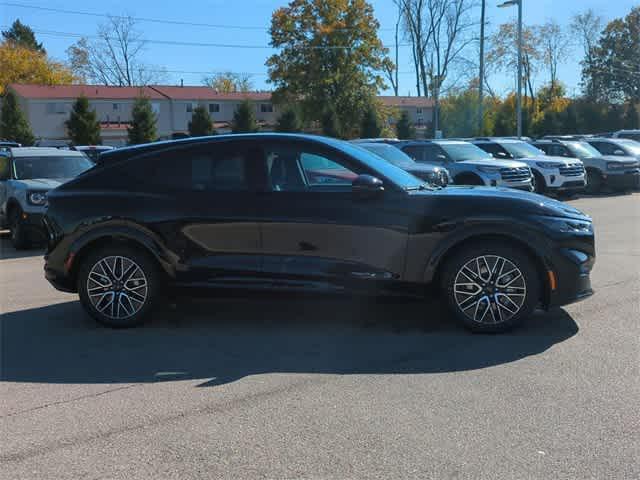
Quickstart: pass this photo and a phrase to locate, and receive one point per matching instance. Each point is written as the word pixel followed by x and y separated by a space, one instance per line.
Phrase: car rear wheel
pixel 119 286
pixel 19 238
pixel 491 287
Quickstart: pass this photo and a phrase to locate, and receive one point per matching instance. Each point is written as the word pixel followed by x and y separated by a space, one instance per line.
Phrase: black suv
pixel 304 212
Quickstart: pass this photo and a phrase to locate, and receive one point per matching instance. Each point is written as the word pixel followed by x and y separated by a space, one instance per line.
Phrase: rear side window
pixel 4 167
pixel 201 169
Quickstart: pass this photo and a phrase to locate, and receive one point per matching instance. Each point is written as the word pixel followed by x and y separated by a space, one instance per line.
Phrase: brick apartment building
pixel 47 108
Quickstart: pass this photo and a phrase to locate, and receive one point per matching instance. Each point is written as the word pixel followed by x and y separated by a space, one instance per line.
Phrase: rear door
pixel 207 209
pixel 315 229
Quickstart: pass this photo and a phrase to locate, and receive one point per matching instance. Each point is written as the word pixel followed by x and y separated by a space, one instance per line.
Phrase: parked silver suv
pixel 550 174
pixel 617 172
pixel 469 165
pixel 26 175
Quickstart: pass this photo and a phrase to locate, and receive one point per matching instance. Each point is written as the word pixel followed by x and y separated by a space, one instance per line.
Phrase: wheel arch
pixel 468 175
pixel 137 238
pixel 534 250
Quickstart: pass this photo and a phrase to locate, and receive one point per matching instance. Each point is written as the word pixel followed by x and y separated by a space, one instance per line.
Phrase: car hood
pixel 420 167
pixel 616 158
pixel 43 183
pixel 561 161
pixel 498 200
pixel 493 163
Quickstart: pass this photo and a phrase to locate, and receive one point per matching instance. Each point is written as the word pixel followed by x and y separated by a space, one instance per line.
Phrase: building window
pixel 55 108
pixel 214 108
pixel 189 107
pixel 115 107
pixel 419 111
pixel 155 106
pixel 266 108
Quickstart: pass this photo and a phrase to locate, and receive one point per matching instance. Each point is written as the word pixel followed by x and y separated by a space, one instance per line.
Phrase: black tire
pixel 19 236
pixel 594 181
pixel 526 299
pixel 539 185
pixel 468 180
pixel 139 310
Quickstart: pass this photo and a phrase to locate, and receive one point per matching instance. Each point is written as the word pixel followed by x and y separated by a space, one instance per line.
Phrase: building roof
pixel 207 93
pixel 399 101
pixel 159 92
pixel 89 91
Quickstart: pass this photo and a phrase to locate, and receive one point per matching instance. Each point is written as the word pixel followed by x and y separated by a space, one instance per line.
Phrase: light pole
pixel 510 3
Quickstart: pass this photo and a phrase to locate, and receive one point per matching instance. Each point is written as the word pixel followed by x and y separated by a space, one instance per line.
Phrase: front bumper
pixel 623 181
pixel 571 270
pixel 557 182
pixel 32 222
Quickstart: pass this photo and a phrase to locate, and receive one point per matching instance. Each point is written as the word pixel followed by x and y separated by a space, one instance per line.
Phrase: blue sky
pixel 257 13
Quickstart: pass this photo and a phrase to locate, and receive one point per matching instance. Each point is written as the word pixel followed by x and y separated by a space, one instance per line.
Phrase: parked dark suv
pixel 303 212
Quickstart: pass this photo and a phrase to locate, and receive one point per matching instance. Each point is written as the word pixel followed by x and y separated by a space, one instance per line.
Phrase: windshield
pixel 389 153
pixel 631 145
pixel 582 150
pixel 28 168
pixel 522 150
pixel 459 152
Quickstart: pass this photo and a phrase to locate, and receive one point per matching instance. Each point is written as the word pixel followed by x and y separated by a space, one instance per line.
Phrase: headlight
pixel 489 169
pixel 37 198
pixel 616 166
pixel 547 165
pixel 567 225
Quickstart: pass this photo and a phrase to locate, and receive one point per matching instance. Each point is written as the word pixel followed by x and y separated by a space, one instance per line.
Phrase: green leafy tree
pixel 329 56
pixel 83 126
pixel 404 127
pixel 615 61
pixel 289 121
pixel 21 35
pixel 330 124
pixel 371 126
pixel 14 125
pixel 201 124
pixel 244 119
pixel 143 122
pixel 631 117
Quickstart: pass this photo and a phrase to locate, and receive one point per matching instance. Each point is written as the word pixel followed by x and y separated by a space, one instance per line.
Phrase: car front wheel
pixel 118 286
pixel 491 287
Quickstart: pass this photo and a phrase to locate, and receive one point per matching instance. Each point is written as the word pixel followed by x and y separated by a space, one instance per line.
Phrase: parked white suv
pixel 550 174
pixel 26 176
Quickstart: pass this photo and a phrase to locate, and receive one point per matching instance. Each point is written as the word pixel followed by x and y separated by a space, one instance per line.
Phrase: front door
pixel 314 228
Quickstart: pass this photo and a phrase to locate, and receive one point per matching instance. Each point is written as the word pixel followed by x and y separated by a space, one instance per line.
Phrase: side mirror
pixel 367 186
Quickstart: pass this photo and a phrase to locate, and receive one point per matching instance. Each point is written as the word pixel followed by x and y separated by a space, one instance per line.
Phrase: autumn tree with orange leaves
pixel 330 59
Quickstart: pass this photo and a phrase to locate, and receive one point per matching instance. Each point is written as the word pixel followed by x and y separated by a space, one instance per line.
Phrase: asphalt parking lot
pixel 304 387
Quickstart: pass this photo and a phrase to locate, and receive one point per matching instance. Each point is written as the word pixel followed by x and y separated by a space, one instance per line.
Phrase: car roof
pixel 18 152
pixel 135 150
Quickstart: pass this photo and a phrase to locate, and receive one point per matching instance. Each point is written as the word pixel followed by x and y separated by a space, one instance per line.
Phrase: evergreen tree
pixel 21 35
pixel 143 124
pixel 631 118
pixel 14 126
pixel 244 119
pixel 83 126
pixel 371 126
pixel 200 124
pixel 330 124
pixel 289 121
pixel 404 128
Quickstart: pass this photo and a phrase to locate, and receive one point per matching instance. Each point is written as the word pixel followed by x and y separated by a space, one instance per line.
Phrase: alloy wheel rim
pixel 117 287
pixel 490 289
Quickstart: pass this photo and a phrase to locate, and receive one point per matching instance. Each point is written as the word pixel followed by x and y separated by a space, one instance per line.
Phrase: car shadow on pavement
pixel 7 251
pixel 220 341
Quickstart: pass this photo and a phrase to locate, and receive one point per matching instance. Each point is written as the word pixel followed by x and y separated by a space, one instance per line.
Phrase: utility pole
pixel 481 75
pixel 510 3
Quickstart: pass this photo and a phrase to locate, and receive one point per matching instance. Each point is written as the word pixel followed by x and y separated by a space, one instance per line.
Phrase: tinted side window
pixel 494 149
pixel 5 165
pixel 545 147
pixel 202 169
